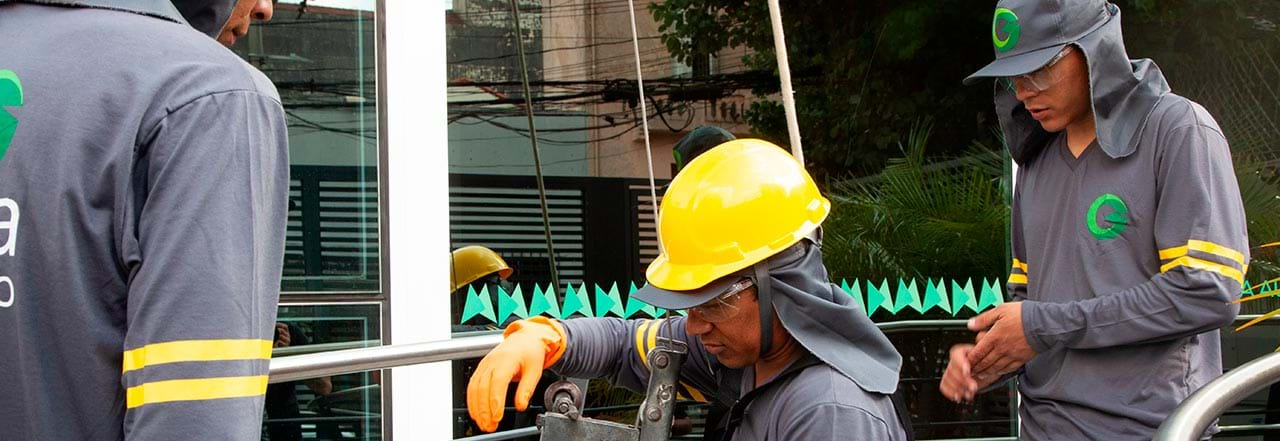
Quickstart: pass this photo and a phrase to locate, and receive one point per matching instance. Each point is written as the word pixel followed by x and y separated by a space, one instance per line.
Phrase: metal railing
pixel 348 361
pixel 1189 421
pixel 312 365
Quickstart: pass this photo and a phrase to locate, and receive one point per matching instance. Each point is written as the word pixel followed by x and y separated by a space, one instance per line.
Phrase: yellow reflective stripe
pixel 1020 279
pixel 196 350
pixel 694 393
pixel 653 334
pixel 1217 250
pixel 195 389
pixel 1191 262
pixel 644 355
pixel 1017 264
pixel 1204 247
pixel 1169 253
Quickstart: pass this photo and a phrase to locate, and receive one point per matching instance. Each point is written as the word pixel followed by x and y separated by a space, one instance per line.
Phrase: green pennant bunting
pixel 575 302
pixel 908 295
pixel 608 302
pixel 876 297
pixel 886 302
pixel 855 292
pixel 935 295
pixel 634 305
pixel 998 289
pixel 511 304
pixel 544 302
pixel 478 304
pixel 987 298
pixel 962 297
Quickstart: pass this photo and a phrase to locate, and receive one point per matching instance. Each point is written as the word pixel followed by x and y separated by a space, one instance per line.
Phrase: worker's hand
pixel 529 347
pixel 282 336
pixel 958 384
pixel 1002 347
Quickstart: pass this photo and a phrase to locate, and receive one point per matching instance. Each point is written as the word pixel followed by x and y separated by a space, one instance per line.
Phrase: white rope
pixel 644 121
pixel 784 71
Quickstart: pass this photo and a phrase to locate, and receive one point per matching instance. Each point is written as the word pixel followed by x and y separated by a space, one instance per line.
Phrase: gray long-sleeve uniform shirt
pixel 817 404
pixel 143 186
pixel 1127 267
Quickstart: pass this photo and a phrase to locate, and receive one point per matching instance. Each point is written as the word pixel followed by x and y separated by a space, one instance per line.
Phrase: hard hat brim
pixel 668 299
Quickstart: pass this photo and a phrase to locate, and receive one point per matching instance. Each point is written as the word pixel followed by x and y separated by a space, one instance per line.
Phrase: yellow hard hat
pixel 730 208
pixel 470 263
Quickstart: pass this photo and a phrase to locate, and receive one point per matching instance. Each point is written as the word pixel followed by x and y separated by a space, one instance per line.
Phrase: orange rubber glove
pixel 528 347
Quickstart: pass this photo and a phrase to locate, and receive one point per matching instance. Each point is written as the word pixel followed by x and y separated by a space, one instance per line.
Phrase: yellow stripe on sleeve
pixel 695 394
pixel 1170 253
pixel 195 390
pixel 653 334
pixel 640 350
pixel 1020 279
pixel 1217 250
pixel 1020 265
pixel 1204 265
pixel 196 350
pixel 1204 247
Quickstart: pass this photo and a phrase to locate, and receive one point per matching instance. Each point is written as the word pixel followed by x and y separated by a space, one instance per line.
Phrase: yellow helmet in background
pixel 471 263
pixel 730 208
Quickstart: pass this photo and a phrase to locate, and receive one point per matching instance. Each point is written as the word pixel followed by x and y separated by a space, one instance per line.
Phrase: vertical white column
pixel 418 211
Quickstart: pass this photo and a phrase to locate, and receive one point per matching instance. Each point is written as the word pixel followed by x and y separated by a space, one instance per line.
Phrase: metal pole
pixel 499 436
pixel 784 72
pixel 477 345
pixel 644 121
pixel 533 139
pixel 359 360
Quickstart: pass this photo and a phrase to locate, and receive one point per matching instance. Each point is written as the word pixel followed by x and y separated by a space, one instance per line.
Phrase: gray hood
pixel 828 322
pixel 206 16
pixel 1123 91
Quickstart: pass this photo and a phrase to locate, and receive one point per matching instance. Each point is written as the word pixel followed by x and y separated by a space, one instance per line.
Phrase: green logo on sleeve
pixel 1117 218
pixel 10 95
pixel 1012 30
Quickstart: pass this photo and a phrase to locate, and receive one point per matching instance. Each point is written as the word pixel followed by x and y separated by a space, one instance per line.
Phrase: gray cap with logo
pixel 1028 33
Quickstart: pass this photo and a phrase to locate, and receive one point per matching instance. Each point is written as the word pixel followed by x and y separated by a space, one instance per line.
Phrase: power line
pixel 546 51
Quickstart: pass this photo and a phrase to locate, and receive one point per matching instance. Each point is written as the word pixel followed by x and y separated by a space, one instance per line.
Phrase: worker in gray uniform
pixel 143 193
pixel 767 332
pixel 1129 239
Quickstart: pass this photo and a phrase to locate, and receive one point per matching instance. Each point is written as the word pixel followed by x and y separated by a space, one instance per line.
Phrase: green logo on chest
pixel 10 95
pixel 1117 217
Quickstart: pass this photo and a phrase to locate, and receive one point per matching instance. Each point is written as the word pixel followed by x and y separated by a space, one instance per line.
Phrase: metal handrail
pixel 1189 421
pixel 323 364
pixel 301 367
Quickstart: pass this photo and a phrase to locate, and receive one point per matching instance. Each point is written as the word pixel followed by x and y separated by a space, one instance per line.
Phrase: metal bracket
pixel 565 401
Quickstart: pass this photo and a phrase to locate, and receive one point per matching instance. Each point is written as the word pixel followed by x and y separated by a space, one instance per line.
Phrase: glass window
pixel 913 161
pixel 321 55
pixel 342 407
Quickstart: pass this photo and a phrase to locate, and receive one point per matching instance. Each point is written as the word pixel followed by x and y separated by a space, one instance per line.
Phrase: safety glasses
pixel 1041 79
pixel 723 306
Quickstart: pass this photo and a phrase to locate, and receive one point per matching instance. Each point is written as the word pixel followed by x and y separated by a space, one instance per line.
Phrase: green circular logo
pixel 10 95
pixel 1010 28
pixel 1118 217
